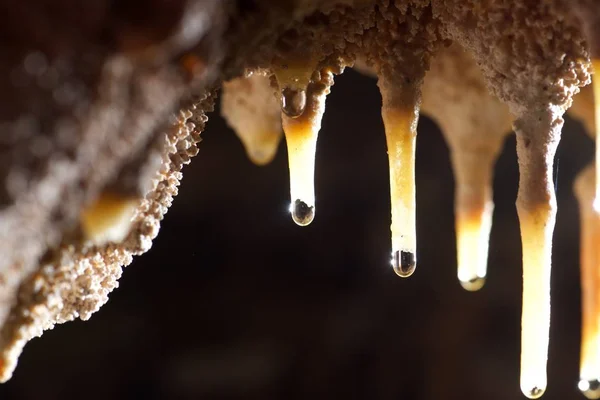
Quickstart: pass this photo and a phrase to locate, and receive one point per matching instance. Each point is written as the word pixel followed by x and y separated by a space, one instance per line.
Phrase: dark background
pixel 235 301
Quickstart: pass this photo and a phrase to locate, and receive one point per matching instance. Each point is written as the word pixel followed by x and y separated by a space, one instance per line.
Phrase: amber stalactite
pixel 111 125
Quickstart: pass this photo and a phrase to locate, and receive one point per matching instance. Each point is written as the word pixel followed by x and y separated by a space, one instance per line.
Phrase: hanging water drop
pixel 590 388
pixel 537 139
pixel 473 284
pixel 301 133
pixel 534 392
pixel 293 78
pixel 536 237
pixel 404 263
pixel 293 101
pixel 474 125
pixel 473 208
pixel 302 213
pixel 472 235
pixel 400 113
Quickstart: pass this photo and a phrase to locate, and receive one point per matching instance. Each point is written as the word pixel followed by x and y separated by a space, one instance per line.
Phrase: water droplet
pixel 404 263
pixel 590 388
pixel 293 101
pixel 302 213
pixel 473 284
pixel 399 111
pixel 534 393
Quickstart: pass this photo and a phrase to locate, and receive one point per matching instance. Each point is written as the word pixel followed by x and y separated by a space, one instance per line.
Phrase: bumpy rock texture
pixel 89 93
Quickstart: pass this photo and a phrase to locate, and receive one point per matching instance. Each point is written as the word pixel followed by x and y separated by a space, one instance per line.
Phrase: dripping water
pixel 590 388
pixel 534 393
pixel 293 101
pixel 473 284
pixel 302 213
pixel 404 263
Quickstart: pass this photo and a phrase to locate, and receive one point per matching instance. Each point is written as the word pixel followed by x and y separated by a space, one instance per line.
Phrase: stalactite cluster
pixel 134 119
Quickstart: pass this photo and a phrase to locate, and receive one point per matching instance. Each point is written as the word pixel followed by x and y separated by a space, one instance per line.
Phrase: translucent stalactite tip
pixel 534 393
pixel 473 284
pixel 404 263
pixel 302 213
pixel 293 102
pixel 590 388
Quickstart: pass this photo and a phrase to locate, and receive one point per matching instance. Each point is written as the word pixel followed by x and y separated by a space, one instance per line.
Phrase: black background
pixel 235 301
